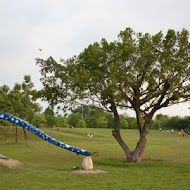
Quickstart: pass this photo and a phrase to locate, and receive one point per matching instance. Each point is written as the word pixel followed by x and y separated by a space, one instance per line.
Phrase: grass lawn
pixel 166 164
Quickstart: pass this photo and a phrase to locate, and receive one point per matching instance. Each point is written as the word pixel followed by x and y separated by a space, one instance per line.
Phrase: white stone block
pixel 87 163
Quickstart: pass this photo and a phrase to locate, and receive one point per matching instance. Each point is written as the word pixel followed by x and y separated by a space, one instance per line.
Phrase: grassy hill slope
pixel 166 164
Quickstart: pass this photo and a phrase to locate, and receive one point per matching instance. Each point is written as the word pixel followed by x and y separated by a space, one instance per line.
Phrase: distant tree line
pixel 91 116
pixel 175 122
pixel 21 102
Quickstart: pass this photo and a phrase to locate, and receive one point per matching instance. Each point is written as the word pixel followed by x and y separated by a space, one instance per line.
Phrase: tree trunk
pixel 123 145
pixel 132 156
pixel 138 154
pixel 26 140
pixel 116 131
pixel 16 135
pixel 25 136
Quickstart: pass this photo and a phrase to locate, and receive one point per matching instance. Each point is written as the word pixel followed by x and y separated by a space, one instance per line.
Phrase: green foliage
pixel 92 116
pixel 110 118
pixel 50 121
pixel 156 125
pixel 140 71
pixel 134 124
pixel 175 122
pixel 178 123
pixel 131 121
pixel 124 124
pixel 88 111
pixel 4 101
pixel 50 118
pixel 161 121
pixel 49 112
pixel 19 101
pixel 76 120
pixel 81 123
pixel 38 120
pixel 91 122
pixel 102 122
pixel 61 122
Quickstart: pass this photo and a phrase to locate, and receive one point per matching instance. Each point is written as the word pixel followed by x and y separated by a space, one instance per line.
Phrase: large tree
pixel 141 72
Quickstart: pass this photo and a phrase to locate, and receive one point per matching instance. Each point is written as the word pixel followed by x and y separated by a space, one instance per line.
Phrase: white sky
pixel 63 28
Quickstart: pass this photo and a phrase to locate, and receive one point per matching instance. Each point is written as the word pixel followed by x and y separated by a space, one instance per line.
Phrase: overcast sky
pixel 63 28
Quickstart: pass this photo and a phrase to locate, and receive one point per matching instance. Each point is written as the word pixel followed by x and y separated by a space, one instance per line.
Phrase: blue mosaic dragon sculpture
pixel 41 134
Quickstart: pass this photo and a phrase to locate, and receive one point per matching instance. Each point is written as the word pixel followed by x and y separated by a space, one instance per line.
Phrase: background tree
pixel 50 117
pixel 20 101
pixel 102 122
pixel 4 101
pixel 161 121
pixel 81 123
pixel 132 122
pixel 178 123
pixel 124 124
pixel 20 96
pixel 61 122
pixel 92 114
pixel 89 110
pixel 186 124
pixel 76 120
pixel 139 71
pixel 38 120
pixel 110 119
pixel 91 122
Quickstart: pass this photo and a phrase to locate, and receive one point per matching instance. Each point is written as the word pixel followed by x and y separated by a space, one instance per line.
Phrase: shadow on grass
pixel 122 163
pixel 112 162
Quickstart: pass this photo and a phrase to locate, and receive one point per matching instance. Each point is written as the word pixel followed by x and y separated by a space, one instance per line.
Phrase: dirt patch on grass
pixel 89 171
pixel 11 163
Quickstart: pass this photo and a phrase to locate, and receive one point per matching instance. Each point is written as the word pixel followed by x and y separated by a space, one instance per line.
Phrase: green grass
pixel 166 164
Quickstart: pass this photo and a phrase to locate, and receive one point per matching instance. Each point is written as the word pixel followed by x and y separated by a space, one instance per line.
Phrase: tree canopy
pixel 20 100
pixel 142 72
